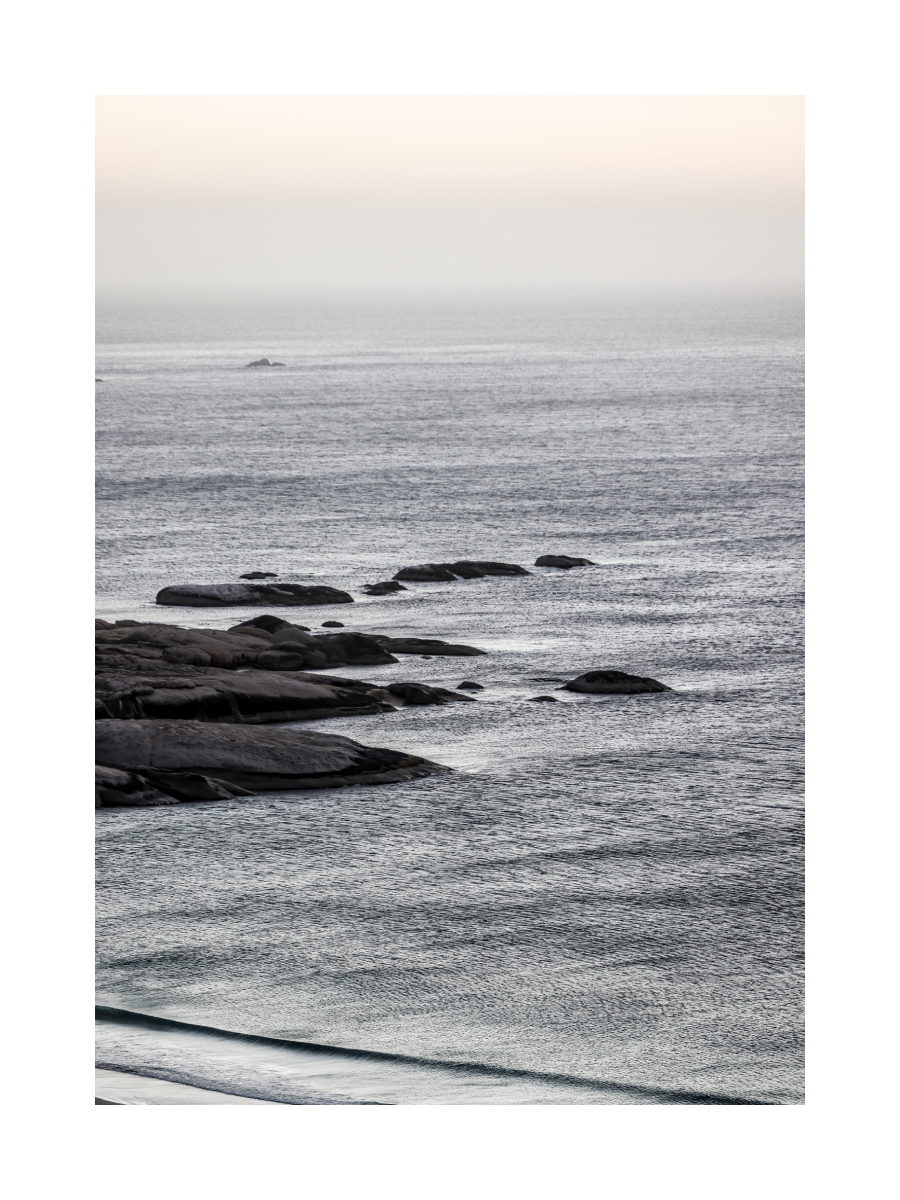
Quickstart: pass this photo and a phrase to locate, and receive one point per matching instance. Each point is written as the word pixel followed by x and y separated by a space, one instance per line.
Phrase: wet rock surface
pixel 426 647
pixel 614 683
pixel 247 757
pixel 385 588
pixel 260 575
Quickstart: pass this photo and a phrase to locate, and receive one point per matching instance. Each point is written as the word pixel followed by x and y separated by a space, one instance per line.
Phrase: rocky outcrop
pixel 562 561
pixel 424 646
pixel 129 646
pixel 384 588
pixel 220 595
pixel 264 362
pixel 332 624
pixel 128 789
pixel 235 697
pixel 251 757
pixel 545 699
pixel 468 686
pixel 464 569
pixel 614 683
pixel 260 575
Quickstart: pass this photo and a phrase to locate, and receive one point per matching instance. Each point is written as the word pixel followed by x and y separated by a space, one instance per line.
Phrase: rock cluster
pixel 221 595
pixel 384 588
pixel 449 572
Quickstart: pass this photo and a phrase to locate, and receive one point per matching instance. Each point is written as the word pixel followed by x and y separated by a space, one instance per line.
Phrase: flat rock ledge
pixel 562 561
pixel 614 683
pixel 464 569
pixel 222 595
pixel 158 755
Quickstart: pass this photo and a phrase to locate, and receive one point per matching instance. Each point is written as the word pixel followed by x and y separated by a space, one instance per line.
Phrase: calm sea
pixel 603 903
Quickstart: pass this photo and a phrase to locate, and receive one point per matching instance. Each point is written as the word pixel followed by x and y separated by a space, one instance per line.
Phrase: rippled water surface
pixel 607 889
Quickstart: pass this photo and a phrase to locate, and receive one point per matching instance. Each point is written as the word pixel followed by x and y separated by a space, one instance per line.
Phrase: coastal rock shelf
pixel 221 595
pixel 464 569
pixel 148 752
pixel 614 683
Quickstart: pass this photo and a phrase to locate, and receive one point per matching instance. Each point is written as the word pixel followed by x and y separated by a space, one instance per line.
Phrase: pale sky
pixel 307 193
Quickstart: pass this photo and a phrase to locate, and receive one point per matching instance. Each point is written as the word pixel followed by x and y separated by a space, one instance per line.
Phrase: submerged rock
pixel 423 646
pixel 219 595
pixel 546 699
pixel 252 757
pixel 468 686
pixel 264 362
pixel 384 588
pixel 260 575
pixel 562 561
pixel 610 683
pixel 423 693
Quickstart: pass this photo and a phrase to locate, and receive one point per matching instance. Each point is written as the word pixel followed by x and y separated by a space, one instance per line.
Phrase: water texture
pixel 607 889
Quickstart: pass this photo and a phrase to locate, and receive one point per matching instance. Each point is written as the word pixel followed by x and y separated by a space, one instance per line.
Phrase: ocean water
pixel 602 904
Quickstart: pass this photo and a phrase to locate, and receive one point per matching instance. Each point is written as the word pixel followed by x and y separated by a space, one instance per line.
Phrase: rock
pixel 99 623
pixel 563 561
pixel 468 686
pixel 423 646
pixel 423 693
pixel 546 679
pixel 251 756
pixel 260 575
pixel 463 569
pixel 545 699
pixel 332 624
pixel 98 381
pixel 124 789
pixel 266 623
pixel 614 683
pixel 218 595
pixel 264 362
pixel 384 588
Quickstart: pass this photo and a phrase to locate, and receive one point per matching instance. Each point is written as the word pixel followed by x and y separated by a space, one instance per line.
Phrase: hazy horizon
pixel 408 195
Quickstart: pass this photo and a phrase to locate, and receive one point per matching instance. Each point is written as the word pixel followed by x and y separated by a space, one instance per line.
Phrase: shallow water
pixel 607 888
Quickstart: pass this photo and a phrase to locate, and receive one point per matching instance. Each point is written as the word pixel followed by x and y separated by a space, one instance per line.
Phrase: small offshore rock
pixel 264 362
pixel 218 595
pixel 563 561
pixel 468 685
pixel 260 575
pixel 333 625
pixel 384 588
pixel 614 683
pixel 545 699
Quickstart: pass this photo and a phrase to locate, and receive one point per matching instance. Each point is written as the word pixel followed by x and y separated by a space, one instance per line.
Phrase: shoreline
pixel 122 1087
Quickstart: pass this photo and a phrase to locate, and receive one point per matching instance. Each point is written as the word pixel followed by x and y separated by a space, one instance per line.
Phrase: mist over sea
pixel 603 903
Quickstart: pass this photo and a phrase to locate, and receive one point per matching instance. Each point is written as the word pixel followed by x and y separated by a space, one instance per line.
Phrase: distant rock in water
pixel 219 595
pixel 384 588
pixel 468 686
pixel 260 575
pixel 264 362
pixel 614 683
pixel 423 693
pixel 249 757
pixel 450 572
pixel 332 624
pixel 563 561
pixel 98 381
pixel 546 699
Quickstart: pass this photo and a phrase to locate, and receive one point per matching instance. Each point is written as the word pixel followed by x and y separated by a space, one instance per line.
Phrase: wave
pixel 488 1072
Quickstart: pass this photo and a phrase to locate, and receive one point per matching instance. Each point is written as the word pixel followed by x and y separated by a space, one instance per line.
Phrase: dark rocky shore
pixel 180 711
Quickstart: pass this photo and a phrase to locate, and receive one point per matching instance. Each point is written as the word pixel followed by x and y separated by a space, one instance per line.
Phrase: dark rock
pixel 384 588
pixel 423 693
pixel 463 569
pixel 98 381
pixel 614 683
pixel 423 646
pixel 546 679
pixel 269 624
pixel 264 362
pixel 253 697
pixel 219 595
pixel 260 575
pixel 99 623
pixel 468 686
pixel 563 561
pixel 332 624
pixel 545 699
pixel 251 756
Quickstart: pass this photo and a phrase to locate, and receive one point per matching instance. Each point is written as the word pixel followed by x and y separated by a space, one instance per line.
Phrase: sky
pixel 234 195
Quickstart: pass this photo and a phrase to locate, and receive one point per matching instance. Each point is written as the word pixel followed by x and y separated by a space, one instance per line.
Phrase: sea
pixel 602 903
